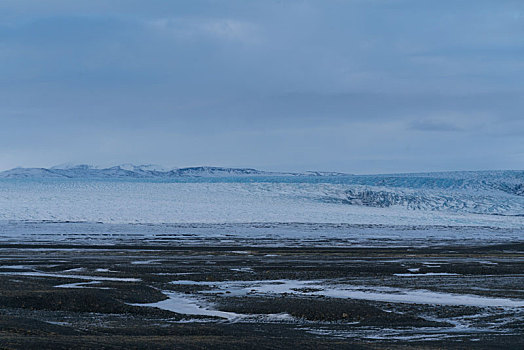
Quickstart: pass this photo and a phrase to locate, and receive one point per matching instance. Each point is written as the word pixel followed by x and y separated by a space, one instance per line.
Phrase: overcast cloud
pixel 356 86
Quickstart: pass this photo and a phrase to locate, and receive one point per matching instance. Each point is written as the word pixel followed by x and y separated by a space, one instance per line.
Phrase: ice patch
pixel 183 304
pixel 104 270
pixel 243 269
pixel 323 288
pixel 80 277
pixel 82 285
pixel 77 269
pixel 425 274
pixel 188 305
pixel 59 323
pixel 16 267
pixel 146 262
pixel 487 263
pixel 420 334
pixel 433 265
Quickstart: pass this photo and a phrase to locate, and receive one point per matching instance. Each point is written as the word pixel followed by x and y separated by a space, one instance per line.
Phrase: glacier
pixel 151 194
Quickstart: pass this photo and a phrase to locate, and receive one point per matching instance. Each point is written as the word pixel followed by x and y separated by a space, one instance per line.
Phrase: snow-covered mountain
pixel 30 173
pixel 84 171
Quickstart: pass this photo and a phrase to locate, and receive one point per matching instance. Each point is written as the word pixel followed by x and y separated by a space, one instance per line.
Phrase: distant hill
pixel 149 171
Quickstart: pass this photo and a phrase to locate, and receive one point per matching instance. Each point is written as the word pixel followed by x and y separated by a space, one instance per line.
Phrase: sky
pixel 359 86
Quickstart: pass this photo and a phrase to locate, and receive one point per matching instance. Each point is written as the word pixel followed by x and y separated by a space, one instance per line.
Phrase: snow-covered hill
pixel 128 171
pixel 148 171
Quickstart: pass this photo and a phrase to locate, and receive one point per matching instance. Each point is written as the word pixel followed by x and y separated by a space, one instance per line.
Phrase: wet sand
pixel 165 297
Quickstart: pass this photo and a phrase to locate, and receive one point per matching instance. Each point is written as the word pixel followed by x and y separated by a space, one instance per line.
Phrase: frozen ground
pixel 251 234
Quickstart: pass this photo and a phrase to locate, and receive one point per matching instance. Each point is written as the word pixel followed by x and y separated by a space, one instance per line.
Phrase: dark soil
pixel 35 314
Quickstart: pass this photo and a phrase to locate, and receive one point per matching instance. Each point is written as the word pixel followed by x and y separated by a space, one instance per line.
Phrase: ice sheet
pixel 278 200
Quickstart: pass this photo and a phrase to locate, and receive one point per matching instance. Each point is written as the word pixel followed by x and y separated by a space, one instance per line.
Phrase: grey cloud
pixel 315 80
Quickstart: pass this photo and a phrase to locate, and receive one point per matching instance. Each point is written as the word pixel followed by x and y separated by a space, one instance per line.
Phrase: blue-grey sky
pixel 360 86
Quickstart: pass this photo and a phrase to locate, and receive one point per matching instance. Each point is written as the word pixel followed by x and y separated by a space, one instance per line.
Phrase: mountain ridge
pixel 68 170
pixel 145 171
